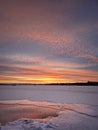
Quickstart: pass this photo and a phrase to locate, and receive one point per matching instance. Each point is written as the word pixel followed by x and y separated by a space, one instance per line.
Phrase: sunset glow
pixel 44 41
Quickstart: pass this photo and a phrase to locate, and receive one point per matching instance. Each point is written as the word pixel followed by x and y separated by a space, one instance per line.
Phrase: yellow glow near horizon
pixel 42 75
pixel 43 80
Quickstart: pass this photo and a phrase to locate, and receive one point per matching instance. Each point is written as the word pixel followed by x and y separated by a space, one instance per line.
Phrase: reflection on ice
pixel 28 115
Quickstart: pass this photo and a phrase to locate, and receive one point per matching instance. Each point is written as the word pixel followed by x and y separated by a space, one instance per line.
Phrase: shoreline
pixel 88 83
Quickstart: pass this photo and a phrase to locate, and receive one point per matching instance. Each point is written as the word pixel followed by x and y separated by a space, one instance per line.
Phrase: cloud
pixel 48 73
pixel 48 36
pixel 57 26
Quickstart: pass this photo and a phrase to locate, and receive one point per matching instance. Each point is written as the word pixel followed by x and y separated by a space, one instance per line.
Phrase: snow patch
pixel 27 124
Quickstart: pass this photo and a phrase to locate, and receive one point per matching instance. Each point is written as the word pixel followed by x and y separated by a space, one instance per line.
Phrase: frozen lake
pixel 57 107
pixel 51 93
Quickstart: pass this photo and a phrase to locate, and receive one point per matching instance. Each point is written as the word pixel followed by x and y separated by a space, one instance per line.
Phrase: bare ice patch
pixel 28 115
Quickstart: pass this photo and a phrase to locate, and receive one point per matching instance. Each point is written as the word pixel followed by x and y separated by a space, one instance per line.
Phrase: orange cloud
pixel 47 75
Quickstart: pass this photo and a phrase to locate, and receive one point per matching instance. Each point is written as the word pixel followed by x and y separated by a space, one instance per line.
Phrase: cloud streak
pixel 55 41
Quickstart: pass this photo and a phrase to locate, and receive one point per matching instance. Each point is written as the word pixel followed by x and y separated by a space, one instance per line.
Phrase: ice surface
pixel 70 117
pixel 25 101
pixel 51 93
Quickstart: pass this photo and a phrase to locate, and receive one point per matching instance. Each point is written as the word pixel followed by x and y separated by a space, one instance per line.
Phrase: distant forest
pixel 89 83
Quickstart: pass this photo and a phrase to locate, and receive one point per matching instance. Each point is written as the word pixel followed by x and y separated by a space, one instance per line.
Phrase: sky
pixel 48 41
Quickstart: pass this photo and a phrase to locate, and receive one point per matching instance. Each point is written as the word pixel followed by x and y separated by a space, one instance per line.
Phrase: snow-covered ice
pixel 27 124
pixel 70 116
pixel 48 107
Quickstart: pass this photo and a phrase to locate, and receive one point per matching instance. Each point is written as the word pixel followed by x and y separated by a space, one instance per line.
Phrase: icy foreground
pixel 66 117
pixel 27 124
